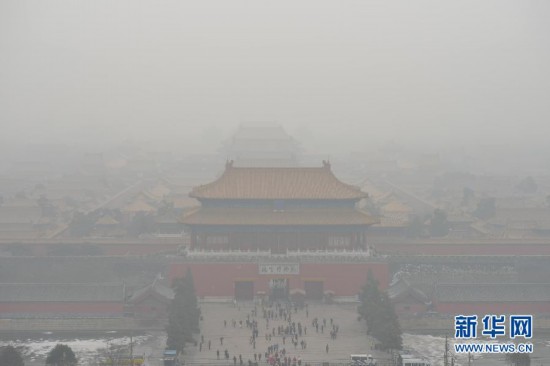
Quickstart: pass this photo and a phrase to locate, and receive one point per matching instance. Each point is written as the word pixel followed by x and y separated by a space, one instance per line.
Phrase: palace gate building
pixel 277 230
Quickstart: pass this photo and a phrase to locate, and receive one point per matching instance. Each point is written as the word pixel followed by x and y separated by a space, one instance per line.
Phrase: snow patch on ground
pixel 36 349
pixel 432 348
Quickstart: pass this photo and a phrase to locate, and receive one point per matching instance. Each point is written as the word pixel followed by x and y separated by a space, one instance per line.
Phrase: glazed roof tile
pixel 278 183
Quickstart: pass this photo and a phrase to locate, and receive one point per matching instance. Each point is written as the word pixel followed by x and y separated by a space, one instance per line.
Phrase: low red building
pixel 46 300
pixel 492 298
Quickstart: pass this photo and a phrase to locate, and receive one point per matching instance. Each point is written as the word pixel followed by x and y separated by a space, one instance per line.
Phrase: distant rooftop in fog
pixel 262 144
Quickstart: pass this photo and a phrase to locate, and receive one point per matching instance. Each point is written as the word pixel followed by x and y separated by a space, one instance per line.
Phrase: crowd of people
pixel 283 335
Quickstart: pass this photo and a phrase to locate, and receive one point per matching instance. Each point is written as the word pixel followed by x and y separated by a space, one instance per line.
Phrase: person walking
pixel 326 348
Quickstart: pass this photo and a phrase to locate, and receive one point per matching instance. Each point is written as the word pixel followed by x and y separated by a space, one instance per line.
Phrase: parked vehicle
pixel 172 357
pixel 362 360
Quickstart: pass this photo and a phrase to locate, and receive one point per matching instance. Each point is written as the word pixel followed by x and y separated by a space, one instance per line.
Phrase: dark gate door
pixel 279 289
pixel 244 290
pixel 314 290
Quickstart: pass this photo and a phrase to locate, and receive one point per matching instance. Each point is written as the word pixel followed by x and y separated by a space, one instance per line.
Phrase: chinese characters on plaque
pixel 279 268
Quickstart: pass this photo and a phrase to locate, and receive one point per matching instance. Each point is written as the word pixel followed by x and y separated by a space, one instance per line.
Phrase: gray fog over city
pixel 313 183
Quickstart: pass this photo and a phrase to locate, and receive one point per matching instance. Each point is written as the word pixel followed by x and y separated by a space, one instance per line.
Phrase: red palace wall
pixel 150 311
pixel 62 308
pixel 218 279
pixel 45 249
pixel 484 308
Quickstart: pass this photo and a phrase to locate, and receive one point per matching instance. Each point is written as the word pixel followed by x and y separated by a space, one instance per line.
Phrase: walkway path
pixel 351 337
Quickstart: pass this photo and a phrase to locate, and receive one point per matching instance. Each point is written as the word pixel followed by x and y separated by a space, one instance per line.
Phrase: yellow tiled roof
pixel 278 183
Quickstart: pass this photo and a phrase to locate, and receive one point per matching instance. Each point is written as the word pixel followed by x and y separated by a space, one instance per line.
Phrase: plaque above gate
pixel 279 268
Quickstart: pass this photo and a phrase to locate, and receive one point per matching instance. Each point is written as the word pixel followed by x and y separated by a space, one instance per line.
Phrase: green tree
pixel 386 326
pixel 166 208
pixel 415 228
pixel 176 330
pixel 142 223
pixel 192 310
pixel 439 226
pixel 372 207
pixel 486 208
pixel 379 314
pixel 61 355
pixel 82 224
pixel 11 357
pixel 370 300
pixel 46 206
pixel 184 315
pixel 467 195
pixel 527 185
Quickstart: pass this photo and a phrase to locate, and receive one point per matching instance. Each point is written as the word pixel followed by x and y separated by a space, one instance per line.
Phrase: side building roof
pixel 401 289
pixel 155 289
pixel 278 183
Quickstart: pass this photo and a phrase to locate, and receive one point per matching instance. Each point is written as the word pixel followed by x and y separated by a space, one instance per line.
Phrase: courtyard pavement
pixel 351 337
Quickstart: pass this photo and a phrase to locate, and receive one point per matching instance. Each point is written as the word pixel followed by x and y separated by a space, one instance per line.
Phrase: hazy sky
pixel 336 74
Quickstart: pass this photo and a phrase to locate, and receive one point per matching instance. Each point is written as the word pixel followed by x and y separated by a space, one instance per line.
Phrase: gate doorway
pixel 314 290
pixel 278 289
pixel 244 290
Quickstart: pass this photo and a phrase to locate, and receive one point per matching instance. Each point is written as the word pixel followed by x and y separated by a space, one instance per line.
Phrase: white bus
pixel 413 361
pixel 362 360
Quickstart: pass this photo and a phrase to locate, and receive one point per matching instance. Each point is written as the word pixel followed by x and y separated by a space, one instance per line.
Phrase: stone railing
pixel 268 256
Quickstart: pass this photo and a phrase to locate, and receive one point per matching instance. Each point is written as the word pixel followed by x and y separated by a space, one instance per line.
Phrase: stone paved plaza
pixel 351 337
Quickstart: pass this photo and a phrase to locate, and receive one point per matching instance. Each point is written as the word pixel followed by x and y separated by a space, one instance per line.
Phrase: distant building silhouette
pixel 266 145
